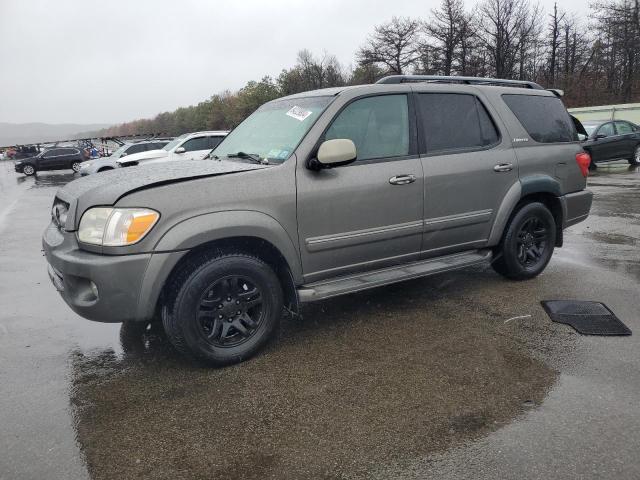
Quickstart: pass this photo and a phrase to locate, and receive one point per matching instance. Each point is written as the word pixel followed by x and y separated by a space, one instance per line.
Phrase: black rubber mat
pixel 588 318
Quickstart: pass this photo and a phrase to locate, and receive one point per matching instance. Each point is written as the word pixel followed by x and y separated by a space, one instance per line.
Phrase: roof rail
pixel 456 79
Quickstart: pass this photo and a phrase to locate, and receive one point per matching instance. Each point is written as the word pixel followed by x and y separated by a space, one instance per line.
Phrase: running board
pixel 386 276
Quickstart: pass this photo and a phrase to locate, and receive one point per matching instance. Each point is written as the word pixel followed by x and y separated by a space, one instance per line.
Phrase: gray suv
pixel 321 194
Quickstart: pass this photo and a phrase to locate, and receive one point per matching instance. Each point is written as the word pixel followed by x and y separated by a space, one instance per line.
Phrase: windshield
pixel 275 129
pixel 174 143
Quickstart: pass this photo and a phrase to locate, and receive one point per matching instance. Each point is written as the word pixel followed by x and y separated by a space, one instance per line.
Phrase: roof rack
pixel 496 82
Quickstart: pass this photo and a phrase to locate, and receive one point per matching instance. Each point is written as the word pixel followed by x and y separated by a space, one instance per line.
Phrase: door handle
pixel 402 179
pixel 503 167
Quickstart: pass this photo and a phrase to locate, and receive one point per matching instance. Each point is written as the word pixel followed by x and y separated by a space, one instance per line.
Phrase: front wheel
pixel 527 244
pixel 75 166
pixel 635 160
pixel 28 170
pixel 225 307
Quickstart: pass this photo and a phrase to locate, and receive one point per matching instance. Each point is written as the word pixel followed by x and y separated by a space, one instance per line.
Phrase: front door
pixel 468 170
pixel 53 159
pixel 369 213
pixel 607 147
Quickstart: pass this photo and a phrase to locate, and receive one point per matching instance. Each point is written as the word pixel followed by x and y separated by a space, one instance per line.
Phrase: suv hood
pixel 136 157
pixel 108 187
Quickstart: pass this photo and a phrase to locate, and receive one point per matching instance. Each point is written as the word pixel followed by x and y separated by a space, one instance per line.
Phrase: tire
pixel 527 244
pixel 28 170
pixel 75 166
pixel 225 308
pixel 105 169
pixel 635 160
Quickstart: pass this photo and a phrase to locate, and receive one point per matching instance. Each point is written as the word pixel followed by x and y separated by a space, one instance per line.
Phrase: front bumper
pixel 575 207
pixel 118 279
pixel 18 168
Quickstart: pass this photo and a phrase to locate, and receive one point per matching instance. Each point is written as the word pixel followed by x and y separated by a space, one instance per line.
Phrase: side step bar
pixel 385 276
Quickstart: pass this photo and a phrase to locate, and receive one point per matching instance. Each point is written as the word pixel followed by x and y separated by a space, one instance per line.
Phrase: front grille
pixel 59 212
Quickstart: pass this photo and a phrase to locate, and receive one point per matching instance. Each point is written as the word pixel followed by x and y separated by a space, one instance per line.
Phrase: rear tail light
pixel 583 159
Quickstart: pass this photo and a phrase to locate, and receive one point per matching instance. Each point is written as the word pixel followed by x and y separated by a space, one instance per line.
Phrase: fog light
pixel 94 289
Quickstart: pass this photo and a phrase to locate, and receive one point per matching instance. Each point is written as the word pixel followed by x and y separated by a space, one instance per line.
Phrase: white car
pixel 190 146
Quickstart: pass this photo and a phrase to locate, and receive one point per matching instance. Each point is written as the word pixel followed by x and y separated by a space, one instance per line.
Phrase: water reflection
pixel 360 381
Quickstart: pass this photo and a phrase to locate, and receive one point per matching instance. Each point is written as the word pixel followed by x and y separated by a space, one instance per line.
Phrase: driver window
pixel 200 143
pixel 379 126
pixel 606 130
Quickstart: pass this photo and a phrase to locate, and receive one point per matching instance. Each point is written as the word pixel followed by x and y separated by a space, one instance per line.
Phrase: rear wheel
pixel 28 170
pixel 635 160
pixel 224 309
pixel 527 244
pixel 75 166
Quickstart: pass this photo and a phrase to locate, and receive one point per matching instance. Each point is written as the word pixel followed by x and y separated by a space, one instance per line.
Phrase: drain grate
pixel 587 318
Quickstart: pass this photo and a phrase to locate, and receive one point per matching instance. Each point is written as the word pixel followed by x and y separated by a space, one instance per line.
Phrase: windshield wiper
pixel 254 157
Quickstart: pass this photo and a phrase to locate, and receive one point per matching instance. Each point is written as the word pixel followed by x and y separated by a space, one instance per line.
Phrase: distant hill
pixel 21 133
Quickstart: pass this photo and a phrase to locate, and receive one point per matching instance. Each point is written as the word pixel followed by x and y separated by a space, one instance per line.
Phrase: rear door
pixel 364 215
pixel 629 139
pixel 468 169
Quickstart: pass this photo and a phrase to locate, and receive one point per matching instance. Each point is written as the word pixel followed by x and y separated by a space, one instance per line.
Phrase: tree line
pixel 594 57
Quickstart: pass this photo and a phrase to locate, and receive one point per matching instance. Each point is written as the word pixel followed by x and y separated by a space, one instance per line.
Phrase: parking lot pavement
pixel 461 375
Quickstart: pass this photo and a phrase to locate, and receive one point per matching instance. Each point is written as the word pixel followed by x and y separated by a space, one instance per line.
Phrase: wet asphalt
pixel 460 375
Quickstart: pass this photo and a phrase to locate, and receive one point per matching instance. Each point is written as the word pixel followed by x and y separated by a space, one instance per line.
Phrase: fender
pixel 526 186
pixel 540 184
pixel 201 229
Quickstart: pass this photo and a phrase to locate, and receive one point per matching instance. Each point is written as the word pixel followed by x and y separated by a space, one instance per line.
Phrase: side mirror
pixel 582 137
pixel 124 154
pixel 179 150
pixel 335 153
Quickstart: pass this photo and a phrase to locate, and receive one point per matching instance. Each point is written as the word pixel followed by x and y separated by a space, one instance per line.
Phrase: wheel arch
pixel 250 245
pixel 251 232
pixel 539 188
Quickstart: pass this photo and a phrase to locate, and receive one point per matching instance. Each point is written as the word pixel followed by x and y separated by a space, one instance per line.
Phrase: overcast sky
pixel 109 61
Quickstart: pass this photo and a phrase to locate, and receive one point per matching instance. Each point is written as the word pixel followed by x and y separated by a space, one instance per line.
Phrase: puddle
pixel 359 382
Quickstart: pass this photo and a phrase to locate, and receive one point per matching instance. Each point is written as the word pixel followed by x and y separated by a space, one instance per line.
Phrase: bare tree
pixel 394 45
pixel 555 22
pixel 506 27
pixel 445 29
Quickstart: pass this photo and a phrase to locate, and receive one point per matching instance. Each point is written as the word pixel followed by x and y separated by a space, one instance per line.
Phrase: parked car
pixel 321 194
pixel 190 146
pixel 59 158
pixel 109 163
pixel 612 140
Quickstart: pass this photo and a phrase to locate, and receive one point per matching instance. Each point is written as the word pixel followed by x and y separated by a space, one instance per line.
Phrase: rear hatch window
pixel 544 118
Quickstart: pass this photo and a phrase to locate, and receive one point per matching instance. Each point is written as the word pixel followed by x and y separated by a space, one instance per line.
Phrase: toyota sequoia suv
pixel 320 194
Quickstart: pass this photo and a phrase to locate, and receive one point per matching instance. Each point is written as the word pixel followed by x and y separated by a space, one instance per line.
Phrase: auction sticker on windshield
pixel 299 113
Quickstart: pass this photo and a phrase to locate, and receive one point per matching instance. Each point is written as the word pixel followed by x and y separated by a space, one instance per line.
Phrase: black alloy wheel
pixel 222 307
pixel 230 311
pixel 532 240
pixel 527 243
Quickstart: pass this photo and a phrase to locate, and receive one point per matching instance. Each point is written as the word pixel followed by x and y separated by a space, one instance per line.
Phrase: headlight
pixel 116 227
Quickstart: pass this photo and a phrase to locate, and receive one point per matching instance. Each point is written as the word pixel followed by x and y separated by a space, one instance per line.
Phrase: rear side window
pixel 453 121
pixel 544 118
pixel 624 128
pixel 379 126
